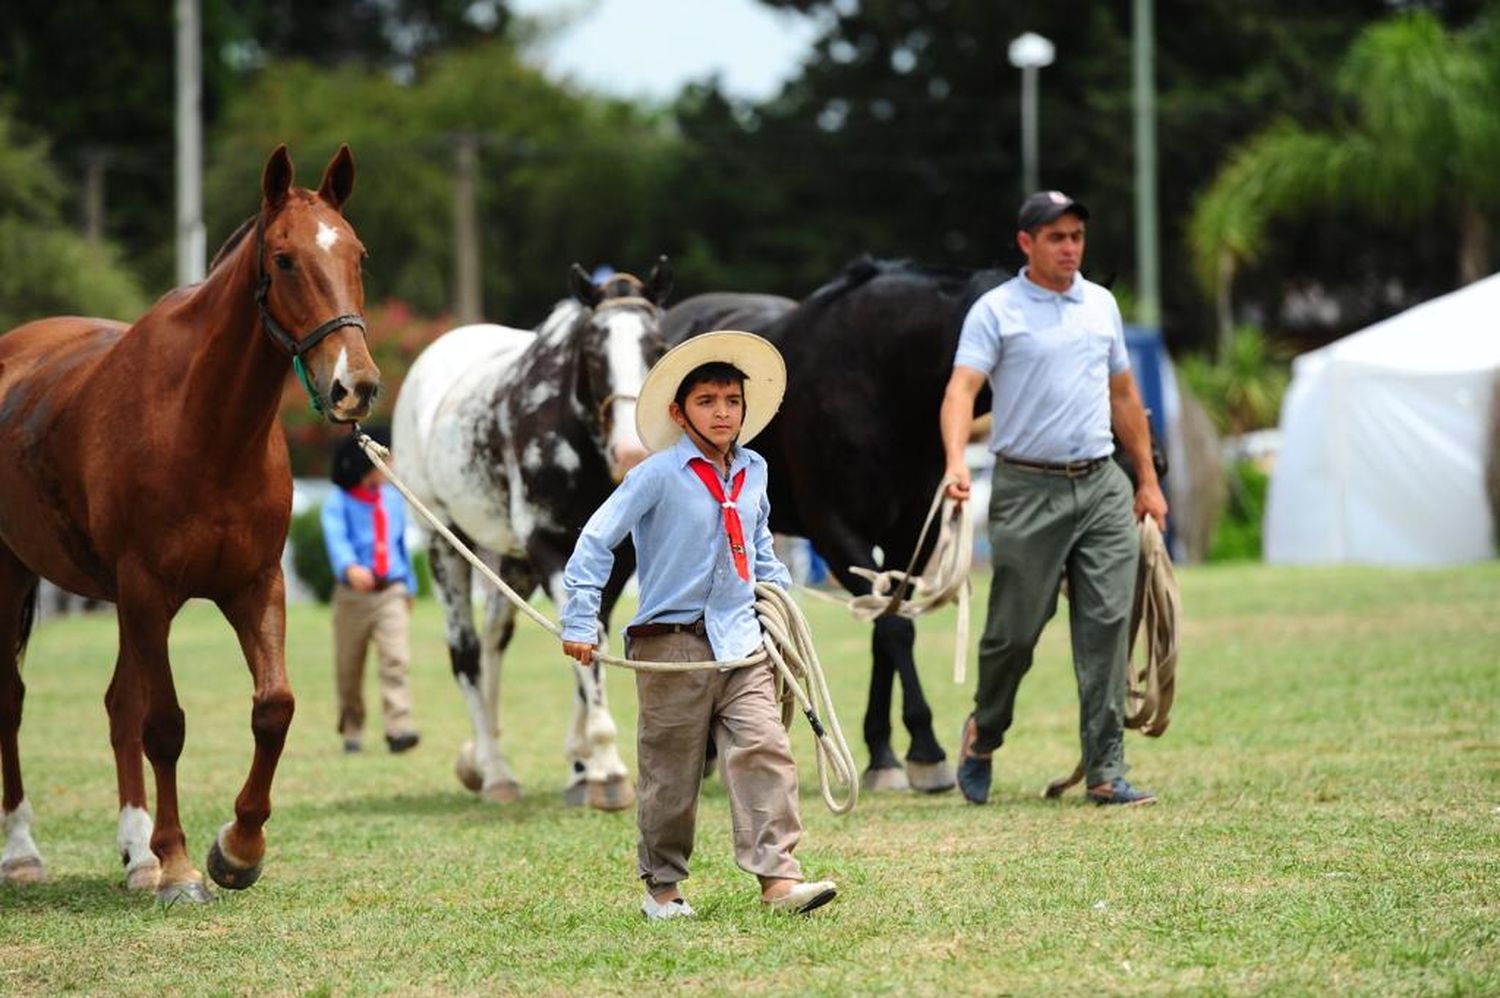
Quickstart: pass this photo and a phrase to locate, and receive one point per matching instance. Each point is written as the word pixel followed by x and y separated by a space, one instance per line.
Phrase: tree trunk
pixel 1473 243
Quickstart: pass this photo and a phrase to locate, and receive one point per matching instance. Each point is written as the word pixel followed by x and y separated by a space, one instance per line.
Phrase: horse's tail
pixel 28 619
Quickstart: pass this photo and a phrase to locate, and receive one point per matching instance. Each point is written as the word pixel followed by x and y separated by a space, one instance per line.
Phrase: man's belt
pixel 1067 469
pixel 657 630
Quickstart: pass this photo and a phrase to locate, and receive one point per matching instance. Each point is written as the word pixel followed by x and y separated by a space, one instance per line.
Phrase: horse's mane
pixel 235 238
pixel 949 278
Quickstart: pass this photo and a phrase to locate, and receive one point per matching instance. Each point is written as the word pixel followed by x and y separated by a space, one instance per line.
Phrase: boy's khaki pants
pixel 676 713
pixel 359 619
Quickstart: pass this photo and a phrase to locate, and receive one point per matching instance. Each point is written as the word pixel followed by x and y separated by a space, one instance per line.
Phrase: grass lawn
pixel 1330 823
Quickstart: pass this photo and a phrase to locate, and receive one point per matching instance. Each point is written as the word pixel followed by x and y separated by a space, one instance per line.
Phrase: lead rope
pixel 943 580
pixel 787 645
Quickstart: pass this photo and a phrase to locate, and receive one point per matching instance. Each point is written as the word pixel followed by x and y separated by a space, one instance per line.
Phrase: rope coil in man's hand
pixel 787 645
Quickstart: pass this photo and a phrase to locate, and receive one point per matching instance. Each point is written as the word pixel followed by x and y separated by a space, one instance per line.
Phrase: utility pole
pixel 1149 309
pixel 95 160
pixel 468 301
pixel 191 249
pixel 1029 53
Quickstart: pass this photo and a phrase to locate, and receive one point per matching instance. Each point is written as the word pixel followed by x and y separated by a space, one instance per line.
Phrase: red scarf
pixel 371 497
pixel 732 525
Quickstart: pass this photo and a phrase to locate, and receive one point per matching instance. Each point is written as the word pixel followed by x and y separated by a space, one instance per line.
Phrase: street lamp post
pixel 1028 53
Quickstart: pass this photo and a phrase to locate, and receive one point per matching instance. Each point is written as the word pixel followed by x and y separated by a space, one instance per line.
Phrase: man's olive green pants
pixel 1044 526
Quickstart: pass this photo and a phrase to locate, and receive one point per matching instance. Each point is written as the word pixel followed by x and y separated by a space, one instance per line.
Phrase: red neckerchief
pixel 732 525
pixel 371 497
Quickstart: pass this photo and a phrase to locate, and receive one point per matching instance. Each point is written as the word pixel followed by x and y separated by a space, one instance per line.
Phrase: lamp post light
pixel 1028 53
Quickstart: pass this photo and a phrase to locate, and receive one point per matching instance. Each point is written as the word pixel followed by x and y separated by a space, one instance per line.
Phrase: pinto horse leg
pixel 258 616
pixel 20 862
pixel 125 702
pixel 145 615
pixel 497 783
pixel 592 742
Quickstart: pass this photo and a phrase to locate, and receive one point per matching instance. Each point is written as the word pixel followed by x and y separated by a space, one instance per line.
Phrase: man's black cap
pixel 1047 206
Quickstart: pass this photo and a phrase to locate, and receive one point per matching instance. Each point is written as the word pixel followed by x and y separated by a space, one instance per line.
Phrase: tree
pixel 1416 146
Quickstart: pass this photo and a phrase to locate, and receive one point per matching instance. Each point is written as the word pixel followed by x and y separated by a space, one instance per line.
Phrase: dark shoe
pixel 1122 793
pixel 400 743
pixel 351 745
pixel 974 770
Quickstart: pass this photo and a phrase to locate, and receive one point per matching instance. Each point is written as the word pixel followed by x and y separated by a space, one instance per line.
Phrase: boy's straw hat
pixel 765 383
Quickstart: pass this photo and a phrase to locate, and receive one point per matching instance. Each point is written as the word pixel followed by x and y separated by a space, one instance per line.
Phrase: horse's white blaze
pixel 19 845
pixel 627 372
pixel 134 838
pixel 341 369
pixel 327 236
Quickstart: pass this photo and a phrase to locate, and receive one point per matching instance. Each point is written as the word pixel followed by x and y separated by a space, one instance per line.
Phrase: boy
pixel 698 566
pixel 364 528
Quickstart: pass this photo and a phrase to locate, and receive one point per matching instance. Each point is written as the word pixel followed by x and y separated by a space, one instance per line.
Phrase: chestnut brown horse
pixel 145 465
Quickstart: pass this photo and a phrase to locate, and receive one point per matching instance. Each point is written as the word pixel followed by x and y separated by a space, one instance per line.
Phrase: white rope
pixel 788 647
pixel 943 580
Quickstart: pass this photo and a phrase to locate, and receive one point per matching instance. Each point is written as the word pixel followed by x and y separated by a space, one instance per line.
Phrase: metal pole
pixel 191 249
pixel 467 299
pixel 1149 310
pixel 1029 167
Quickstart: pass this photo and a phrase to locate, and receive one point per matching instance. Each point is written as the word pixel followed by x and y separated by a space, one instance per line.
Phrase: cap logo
pixel 1057 197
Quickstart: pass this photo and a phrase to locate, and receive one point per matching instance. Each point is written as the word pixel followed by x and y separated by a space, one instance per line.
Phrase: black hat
pixel 350 463
pixel 1047 206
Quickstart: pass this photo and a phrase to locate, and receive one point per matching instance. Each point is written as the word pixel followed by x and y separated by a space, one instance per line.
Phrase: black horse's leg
pixel 885 771
pixel 926 765
pixel 22 863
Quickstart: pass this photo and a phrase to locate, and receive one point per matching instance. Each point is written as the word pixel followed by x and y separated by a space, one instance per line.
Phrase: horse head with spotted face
pixel 513 438
pixel 143 464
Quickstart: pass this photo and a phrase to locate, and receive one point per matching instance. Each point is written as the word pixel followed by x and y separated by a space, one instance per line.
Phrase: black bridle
pixel 289 344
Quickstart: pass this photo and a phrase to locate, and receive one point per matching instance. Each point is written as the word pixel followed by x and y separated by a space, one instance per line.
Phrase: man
pixel 1052 347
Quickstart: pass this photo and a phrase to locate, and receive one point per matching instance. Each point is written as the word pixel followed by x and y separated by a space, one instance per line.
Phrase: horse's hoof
pixel 503 792
pixel 576 794
pixel 612 794
pixel 143 876
pixel 24 870
pixel 884 778
pixel 930 777
pixel 190 891
pixel 226 874
pixel 465 768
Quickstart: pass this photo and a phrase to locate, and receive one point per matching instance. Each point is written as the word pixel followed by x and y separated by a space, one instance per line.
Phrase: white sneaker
pixel 660 912
pixel 804 897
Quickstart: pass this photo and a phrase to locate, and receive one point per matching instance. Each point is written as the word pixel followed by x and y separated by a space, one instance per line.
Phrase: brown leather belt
pixel 657 630
pixel 1068 469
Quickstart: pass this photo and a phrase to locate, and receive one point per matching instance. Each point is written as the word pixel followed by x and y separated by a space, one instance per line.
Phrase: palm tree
pixel 1422 138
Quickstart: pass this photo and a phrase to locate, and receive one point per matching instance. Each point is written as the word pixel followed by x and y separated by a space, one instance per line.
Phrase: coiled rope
pixel 788 646
pixel 943 580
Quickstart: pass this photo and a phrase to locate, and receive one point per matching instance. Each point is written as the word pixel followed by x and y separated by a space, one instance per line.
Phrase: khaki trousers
pixel 676 713
pixel 359 619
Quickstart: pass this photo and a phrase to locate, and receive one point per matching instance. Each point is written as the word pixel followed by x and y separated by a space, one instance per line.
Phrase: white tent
pixel 1383 440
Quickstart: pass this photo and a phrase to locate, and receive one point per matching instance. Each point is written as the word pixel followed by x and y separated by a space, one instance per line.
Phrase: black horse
pixel 855 452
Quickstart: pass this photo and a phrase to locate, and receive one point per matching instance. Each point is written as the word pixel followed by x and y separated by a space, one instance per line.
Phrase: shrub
pixel 1238 535
pixel 309 556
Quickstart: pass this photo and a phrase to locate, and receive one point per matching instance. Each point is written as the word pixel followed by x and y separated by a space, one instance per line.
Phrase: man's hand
pixel 583 651
pixel 360 578
pixel 1150 502
pixel 958 489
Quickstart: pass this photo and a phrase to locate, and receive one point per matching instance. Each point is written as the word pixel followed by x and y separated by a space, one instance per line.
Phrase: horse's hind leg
pixel 20 862
pixel 145 615
pixel 258 616
pixel 926 764
pixel 494 781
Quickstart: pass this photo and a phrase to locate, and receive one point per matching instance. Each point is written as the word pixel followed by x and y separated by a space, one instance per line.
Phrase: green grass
pixel 1328 825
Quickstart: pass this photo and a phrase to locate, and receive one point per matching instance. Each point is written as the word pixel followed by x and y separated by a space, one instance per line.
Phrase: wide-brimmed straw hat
pixel 761 363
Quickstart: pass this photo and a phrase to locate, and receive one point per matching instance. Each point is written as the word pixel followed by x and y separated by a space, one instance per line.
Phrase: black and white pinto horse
pixel 855 453
pixel 513 438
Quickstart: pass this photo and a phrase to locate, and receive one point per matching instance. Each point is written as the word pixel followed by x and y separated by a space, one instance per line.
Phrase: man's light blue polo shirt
pixel 685 568
pixel 1049 357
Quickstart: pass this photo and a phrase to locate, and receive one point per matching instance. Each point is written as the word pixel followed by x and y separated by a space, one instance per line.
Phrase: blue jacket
pixel 349 534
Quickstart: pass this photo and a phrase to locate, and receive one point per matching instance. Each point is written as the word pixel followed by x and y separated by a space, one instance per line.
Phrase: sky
pixel 650 48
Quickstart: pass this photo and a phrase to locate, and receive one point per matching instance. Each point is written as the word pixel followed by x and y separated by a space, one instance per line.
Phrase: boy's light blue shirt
pixel 349 534
pixel 1049 356
pixel 684 565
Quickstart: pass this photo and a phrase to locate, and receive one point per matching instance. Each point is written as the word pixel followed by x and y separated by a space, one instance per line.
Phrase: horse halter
pixel 289 344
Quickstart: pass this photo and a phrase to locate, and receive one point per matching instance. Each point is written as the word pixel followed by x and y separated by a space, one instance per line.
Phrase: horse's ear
pixel 338 178
pixel 659 284
pixel 583 286
pixel 276 179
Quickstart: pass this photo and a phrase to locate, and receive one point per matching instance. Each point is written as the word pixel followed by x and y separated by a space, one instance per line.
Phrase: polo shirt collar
pixel 1039 293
